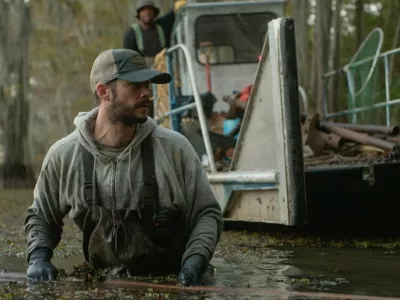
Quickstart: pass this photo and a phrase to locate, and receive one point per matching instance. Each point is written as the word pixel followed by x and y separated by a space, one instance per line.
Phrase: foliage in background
pixel 66 36
pixel 347 22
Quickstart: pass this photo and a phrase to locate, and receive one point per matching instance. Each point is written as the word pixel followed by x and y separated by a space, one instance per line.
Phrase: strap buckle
pixel 150 193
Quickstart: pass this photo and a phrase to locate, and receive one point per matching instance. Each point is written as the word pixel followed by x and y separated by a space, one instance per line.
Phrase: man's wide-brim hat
pixel 147 3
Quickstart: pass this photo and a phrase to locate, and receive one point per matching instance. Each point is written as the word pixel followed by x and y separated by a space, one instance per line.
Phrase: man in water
pixel 136 190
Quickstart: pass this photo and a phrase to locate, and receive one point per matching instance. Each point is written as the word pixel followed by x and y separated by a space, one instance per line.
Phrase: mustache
pixel 143 103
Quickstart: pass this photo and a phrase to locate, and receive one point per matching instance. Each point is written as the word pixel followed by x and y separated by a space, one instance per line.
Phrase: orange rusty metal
pixel 333 140
pixel 371 129
pixel 358 137
pixel 314 139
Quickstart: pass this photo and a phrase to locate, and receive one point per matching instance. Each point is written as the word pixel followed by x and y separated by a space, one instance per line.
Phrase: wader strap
pixel 150 188
pixel 138 36
pixel 161 36
pixel 88 166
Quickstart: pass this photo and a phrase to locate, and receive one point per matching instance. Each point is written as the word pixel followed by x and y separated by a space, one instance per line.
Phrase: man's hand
pixel 191 271
pixel 40 268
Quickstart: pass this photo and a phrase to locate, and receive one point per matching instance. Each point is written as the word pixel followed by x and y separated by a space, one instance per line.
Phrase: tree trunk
pixel 334 98
pixel 321 52
pixel 359 23
pixel 16 170
pixel 300 13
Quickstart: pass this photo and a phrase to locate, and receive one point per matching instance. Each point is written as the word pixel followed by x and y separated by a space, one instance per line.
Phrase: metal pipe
pixel 350 84
pixel 176 111
pixel 199 105
pixel 363 108
pixel 334 72
pixel 394 139
pixel 365 60
pixel 371 58
pixel 171 90
pixel 371 129
pixel 385 104
pixel 387 91
pixel 357 137
pixel 303 94
pixel 244 177
pixel 207 54
pixel 332 140
pixel 208 76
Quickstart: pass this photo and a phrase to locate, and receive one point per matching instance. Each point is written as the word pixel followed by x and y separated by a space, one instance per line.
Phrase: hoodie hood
pixel 83 123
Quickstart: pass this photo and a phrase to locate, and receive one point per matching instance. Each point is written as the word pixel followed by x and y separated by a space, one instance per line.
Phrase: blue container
pixel 229 125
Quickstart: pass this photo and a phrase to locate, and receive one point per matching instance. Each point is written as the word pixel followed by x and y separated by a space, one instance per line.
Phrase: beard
pixel 127 114
pixel 147 18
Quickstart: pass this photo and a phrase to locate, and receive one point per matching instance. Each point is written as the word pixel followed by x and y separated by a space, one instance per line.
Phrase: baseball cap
pixel 124 64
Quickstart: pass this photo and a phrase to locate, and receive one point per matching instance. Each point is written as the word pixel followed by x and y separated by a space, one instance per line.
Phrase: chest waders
pixel 142 241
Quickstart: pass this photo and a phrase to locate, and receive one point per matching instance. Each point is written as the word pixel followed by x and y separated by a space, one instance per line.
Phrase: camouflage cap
pixel 126 65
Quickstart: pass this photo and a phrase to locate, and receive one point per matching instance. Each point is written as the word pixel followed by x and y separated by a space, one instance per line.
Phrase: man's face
pixel 146 14
pixel 129 102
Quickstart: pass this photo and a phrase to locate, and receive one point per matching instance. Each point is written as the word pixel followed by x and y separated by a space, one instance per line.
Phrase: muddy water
pixel 251 262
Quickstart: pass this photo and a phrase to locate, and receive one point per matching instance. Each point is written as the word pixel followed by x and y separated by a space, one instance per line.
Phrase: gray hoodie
pixel 182 181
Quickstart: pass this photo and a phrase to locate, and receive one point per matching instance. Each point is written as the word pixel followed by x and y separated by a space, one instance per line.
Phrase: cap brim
pixel 153 75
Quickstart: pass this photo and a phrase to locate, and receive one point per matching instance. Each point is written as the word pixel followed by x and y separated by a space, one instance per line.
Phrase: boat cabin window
pixel 231 38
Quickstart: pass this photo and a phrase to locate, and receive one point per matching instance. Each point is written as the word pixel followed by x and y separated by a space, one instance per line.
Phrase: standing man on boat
pixel 137 191
pixel 150 35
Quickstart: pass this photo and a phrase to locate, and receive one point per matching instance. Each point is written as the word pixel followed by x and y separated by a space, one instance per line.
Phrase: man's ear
pixel 101 90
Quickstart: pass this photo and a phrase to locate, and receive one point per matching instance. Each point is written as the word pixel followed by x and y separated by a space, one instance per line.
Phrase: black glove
pixel 40 268
pixel 191 270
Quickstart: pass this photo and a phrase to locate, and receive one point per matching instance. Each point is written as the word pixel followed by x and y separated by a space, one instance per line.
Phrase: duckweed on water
pixel 244 246
pixel 235 245
pixel 60 290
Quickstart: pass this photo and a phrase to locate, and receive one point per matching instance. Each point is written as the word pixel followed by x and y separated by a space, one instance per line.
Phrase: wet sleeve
pixel 203 217
pixel 129 40
pixel 44 218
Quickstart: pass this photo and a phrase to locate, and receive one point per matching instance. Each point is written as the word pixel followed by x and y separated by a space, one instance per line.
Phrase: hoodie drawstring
pixel 117 225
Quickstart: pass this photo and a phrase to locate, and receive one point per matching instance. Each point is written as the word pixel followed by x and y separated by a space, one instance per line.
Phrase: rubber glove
pixel 191 270
pixel 40 268
pixel 178 4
